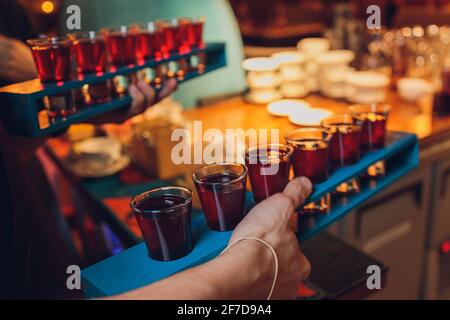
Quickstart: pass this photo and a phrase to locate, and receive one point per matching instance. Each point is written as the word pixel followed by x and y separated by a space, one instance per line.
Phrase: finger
pixel 169 87
pixel 137 105
pixel 305 266
pixel 149 93
pixel 298 190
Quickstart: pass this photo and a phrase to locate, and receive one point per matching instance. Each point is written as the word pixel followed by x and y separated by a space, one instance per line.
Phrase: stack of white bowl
pixel 367 86
pixel 312 48
pixel 262 79
pixel 292 74
pixel 334 67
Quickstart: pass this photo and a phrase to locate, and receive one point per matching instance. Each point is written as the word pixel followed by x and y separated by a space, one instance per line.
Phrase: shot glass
pixel 345 146
pixel 195 40
pixel 373 132
pixel 268 169
pixel 310 159
pixel 164 217
pixel 52 59
pixel 121 47
pixel 175 35
pixel 149 46
pixel 221 189
pixel 90 52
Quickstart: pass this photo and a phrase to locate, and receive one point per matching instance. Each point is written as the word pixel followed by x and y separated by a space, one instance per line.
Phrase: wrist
pixel 256 265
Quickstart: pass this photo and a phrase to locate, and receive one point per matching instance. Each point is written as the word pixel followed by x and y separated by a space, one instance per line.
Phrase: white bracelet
pixel 268 246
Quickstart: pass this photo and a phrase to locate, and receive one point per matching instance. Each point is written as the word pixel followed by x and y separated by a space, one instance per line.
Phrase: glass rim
pixel 377 108
pixel 241 176
pixel 326 125
pixel 325 137
pixel 145 27
pixel 157 212
pixel 280 146
pixel 86 35
pixel 46 41
pixel 122 29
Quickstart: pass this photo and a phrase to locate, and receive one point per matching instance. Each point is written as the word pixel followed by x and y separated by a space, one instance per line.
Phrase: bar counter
pixel 233 113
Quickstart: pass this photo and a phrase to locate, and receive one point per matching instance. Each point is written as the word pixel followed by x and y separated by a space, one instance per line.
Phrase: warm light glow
pixel 48 7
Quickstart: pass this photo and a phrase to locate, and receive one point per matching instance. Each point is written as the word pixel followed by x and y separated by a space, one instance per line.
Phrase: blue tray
pixel 19 102
pixel 133 268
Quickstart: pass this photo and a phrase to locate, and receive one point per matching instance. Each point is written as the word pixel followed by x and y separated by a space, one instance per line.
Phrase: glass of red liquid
pixel 373 132
pixel 221 189
pixel 195 32
pixel 310 159
pixel 164 216
pixel 149 46
pixel 345 146
pixel 90 52
pixel 121 47
pixel 268 169
pixel 149 41
pixel 52 59
pixel 195 39
pixel 175 38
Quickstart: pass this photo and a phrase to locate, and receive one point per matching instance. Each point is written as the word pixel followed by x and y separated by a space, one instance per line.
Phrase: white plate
pixel 85 168
pixel 309 117
pixel 287 107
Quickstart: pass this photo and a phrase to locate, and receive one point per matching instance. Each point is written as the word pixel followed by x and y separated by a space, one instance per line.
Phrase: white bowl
pixel 286 107
pixel 263 64
pixel 289 57
pixel 309 117
pixel 335 57
pixel 312 46
pixel 413 89
pixel 367 87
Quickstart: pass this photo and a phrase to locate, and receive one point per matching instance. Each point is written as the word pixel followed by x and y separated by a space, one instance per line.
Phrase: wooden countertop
pixel 234 113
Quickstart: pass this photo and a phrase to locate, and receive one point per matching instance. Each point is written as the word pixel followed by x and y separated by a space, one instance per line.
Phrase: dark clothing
pixel 14 24
pixel 33 255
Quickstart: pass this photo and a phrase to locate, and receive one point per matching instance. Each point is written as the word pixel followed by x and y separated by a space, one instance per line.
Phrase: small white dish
pixel 413 89
pixel 309 117
pixel 260 64
pixel 85 168
pixel 367 87
pixel 287 107
pixel 312 46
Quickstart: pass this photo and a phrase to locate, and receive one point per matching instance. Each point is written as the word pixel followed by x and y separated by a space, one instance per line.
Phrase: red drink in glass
pixel 345 143
pixel 268 169
pixel 52 58
pixel 164 217
pixel 149 42
pixel 121 45
pixel 374 117
pixel 221 189
pixel 310 159
pixel 310 156
pixel 195 33
pixel 90 52
pixel 345 146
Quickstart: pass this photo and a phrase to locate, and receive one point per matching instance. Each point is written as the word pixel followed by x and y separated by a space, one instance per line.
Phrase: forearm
pixel 244 272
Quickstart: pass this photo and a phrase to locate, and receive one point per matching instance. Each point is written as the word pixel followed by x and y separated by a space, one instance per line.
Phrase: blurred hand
pixel 270 221
pixel 16 61
pixel 143 97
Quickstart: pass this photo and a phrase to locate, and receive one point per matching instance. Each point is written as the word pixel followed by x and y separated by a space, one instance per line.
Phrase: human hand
pixel 270 221
pixel 16 61
pixel 143 97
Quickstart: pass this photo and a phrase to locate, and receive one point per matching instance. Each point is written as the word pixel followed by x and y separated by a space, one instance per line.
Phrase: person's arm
pixel 16 61
pixel 246 270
